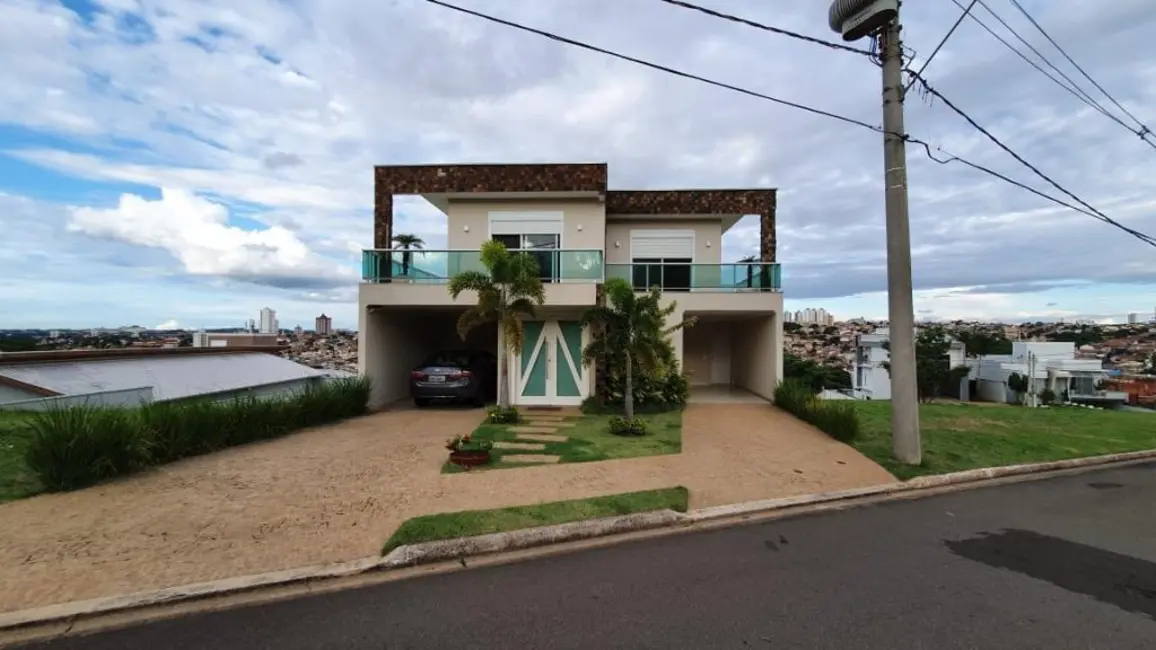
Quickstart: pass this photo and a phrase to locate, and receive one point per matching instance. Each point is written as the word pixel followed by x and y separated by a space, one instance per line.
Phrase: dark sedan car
pixel 455 376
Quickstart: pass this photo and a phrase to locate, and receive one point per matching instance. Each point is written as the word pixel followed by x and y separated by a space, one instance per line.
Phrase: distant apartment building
pixel 323 325
pixel 810 316
pixel 1133 318
pixel 204 339
pixel 269 324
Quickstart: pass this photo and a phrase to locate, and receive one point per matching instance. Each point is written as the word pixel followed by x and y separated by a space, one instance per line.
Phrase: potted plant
pixel 468 452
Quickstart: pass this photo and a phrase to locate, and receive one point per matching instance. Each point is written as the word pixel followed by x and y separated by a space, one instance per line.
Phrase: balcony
pixel 438 266
pixel 724 278
pixel 418 277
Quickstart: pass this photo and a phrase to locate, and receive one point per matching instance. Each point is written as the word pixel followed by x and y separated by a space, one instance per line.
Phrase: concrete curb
pixel 453 549
pixel 457 549
pixel 912 485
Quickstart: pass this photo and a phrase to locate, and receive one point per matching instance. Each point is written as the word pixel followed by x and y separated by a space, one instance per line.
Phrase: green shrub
pixel 666 389
pixel 796 397
pixel 502 415
pixel 78 446
pixel 1048 396
pixel 837 419
pixel 621 426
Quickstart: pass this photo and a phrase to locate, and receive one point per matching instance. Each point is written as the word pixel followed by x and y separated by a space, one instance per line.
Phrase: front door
pixel 550 370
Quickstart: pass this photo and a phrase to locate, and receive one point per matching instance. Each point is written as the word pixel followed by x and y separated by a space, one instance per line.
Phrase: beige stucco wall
pixel 577 294
pixel 583 221
pixel 707 352
pixel 757 362
pixel 388 345
pixel 705 232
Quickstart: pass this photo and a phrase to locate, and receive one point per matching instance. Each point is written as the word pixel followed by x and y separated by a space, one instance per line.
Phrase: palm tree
pixel 405 243
pixel 633 325
pixel 508 291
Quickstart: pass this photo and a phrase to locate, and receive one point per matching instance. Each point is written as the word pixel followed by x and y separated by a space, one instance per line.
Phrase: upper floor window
pixel 662 258
pixel 668 273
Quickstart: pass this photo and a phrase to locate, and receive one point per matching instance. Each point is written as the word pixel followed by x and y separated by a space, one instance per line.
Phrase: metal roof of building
pixel 172 377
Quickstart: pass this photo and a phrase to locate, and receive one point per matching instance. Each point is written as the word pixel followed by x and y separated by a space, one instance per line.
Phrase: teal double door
pixel 550 370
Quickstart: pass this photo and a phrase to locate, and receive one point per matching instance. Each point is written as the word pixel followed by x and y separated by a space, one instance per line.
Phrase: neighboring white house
pixel 1051 365
pixel 869 377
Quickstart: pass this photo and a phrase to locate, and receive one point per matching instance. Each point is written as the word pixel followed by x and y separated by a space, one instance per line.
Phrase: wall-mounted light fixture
pixel 579 227
pixel 617 245
pixel 708 244
pixel 466 228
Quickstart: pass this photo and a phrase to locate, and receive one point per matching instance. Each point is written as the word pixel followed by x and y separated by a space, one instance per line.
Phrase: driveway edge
pixel 459 549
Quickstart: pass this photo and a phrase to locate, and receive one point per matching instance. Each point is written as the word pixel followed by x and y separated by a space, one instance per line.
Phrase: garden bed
pixel 75 447
pixel 588 438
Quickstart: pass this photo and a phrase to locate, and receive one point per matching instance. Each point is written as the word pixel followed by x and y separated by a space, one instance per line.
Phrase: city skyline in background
pixel 267 322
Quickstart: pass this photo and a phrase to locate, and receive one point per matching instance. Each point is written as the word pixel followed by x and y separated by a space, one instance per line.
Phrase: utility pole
pixel 856 19
pixel 905 440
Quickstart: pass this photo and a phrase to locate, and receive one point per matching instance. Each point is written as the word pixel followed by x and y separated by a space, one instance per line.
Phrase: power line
pixel 654 66
pixel 1046 60
pixel 1088 210
pixel 1100 215
pixel 1144 130
pixel 1035 65
pixel 941 43
pixel 768 28
pixel 1075 92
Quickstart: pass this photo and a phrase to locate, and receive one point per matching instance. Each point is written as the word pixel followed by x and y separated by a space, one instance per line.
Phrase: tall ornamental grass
pixel 78 446
pixel 837 419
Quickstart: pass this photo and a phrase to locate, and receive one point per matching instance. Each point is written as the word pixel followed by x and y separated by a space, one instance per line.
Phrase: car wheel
pixel 420 403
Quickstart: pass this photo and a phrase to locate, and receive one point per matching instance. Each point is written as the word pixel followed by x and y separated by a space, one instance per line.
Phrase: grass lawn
pixel 452 525
pixel 16 480
pixel 589 439
pixel 968 436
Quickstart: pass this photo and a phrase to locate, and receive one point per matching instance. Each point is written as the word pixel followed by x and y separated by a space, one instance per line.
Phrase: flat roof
pixel 171 376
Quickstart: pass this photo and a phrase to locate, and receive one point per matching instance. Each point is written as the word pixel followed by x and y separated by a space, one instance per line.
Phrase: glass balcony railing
pixel 700 277
pixel 438 266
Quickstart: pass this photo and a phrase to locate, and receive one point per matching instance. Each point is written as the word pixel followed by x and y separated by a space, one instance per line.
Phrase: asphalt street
pixel 1060 563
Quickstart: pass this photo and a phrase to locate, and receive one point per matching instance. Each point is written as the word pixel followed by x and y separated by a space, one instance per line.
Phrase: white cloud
pixel 289 105
pixel 196 232
pixel 168 325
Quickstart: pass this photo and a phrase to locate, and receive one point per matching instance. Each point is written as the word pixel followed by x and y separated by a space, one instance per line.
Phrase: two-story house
pixel 581 233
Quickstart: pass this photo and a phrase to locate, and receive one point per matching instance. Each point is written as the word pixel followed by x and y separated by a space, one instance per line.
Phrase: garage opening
pixel 397 340
pixel 731 358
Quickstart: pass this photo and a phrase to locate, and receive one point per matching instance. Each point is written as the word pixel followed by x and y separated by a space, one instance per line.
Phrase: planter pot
pixel 469 458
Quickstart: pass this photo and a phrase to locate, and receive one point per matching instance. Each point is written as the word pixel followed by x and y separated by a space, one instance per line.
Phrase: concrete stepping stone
pixel 542 437
pixel 530 458
pixel 533 429
pixel 522 446
pixel 559 411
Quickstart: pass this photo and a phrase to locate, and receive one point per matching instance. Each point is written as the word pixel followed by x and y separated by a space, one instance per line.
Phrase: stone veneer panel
pixel 438 179
pixel 580 177
pixel 760 202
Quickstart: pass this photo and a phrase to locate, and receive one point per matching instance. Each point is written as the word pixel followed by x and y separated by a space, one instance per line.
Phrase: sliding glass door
pixel 543 248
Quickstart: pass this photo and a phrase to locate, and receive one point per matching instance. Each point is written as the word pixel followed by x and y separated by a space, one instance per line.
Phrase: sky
pixel 177 163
